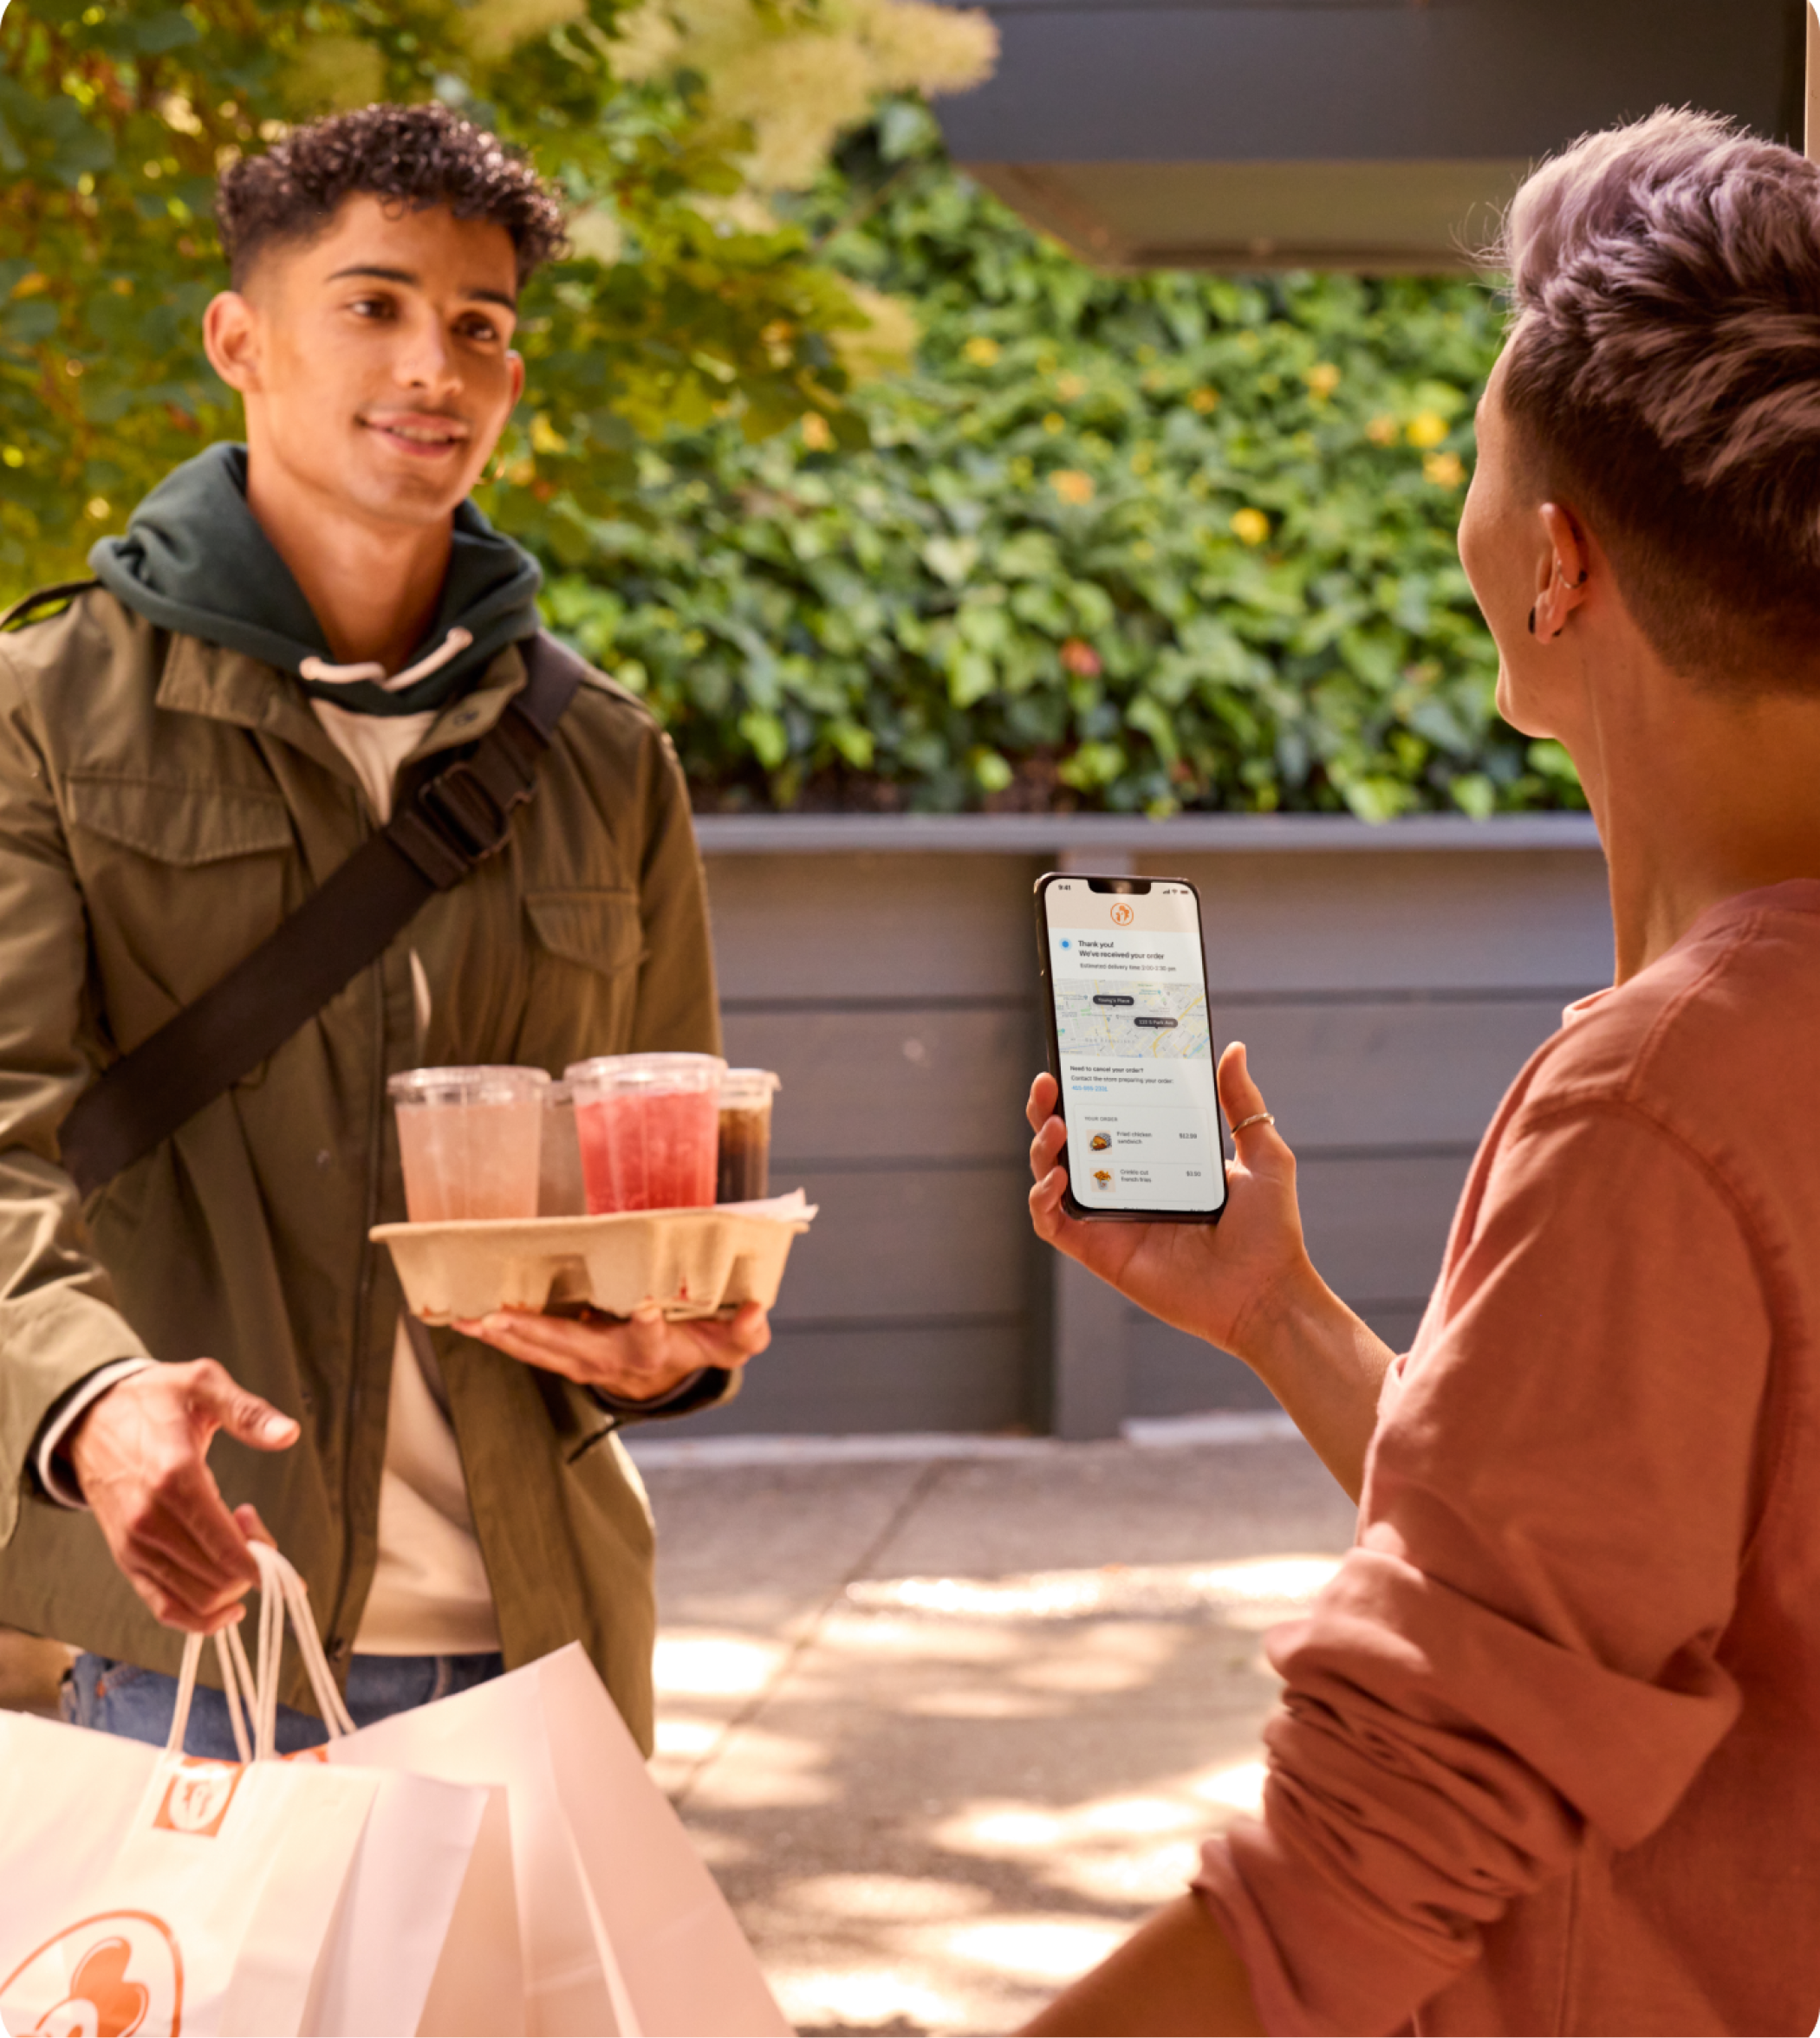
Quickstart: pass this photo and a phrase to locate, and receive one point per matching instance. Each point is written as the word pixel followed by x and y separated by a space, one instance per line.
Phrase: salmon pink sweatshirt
pixel 1548 1758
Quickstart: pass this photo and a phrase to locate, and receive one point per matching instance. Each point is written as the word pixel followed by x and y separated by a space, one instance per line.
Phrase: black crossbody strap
pixel 64 591
pixel 453 822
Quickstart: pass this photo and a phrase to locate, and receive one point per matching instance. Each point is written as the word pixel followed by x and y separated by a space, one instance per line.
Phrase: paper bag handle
pixel 282 1592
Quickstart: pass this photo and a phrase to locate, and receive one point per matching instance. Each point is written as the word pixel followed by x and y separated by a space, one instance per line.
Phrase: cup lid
pixel 652 1073
pixel 498 1085
pixel 749 1086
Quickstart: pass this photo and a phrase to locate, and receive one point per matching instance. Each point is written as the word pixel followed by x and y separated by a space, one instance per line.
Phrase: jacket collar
pixel 228 685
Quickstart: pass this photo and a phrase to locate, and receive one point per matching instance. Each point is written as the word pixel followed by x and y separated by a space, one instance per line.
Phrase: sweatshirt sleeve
pixel 1524 1643
pixel 58 1322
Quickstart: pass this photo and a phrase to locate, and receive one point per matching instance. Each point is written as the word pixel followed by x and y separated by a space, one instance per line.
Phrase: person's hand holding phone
pixel 1208 1280
pixel 1246 1284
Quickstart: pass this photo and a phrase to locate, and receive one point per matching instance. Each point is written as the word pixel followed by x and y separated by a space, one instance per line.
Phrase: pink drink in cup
pixel 469 1140
pixel 648 1126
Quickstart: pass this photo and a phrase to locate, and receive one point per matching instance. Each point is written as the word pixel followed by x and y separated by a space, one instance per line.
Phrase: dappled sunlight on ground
pixel 935 1792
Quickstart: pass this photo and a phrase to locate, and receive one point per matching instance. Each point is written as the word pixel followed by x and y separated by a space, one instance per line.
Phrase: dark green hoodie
pixel 195 559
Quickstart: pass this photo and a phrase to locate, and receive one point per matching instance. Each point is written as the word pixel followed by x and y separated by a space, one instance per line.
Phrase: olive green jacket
pixel 164 803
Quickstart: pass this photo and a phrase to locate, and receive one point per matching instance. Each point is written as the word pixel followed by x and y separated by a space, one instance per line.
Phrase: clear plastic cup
pixel 744 1171
pixel 469 1139
pixel 560 1193
pixel 649 1129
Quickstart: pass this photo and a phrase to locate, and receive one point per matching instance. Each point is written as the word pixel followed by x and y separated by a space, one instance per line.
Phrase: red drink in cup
pixel 469 1140
pixel 648 1126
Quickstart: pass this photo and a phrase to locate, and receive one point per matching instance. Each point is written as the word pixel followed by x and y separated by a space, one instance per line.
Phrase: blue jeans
pixel 138 1705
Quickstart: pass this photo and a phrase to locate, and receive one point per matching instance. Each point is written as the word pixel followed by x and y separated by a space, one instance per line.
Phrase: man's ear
pixel 1564 571
pixel 231 337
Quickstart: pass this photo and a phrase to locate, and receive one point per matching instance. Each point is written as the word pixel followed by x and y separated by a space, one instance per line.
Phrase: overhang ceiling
pixel 1377 135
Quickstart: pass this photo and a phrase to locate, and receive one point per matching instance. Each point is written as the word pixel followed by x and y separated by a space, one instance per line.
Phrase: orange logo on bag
pixel 106 1977
pixel 1122 915
pixel 197 1798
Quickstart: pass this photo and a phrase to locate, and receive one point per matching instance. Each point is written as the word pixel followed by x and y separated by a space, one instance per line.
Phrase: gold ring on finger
pixel 1257 1118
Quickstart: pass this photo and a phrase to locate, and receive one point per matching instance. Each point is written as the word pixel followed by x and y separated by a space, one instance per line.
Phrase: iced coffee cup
pixel 469 1139
pixel 559 1157
pixel 743 1172
pixel 647 1126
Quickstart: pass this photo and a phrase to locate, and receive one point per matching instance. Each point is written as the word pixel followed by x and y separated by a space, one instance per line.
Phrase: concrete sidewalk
pixel 947 1716
pixel 946 1726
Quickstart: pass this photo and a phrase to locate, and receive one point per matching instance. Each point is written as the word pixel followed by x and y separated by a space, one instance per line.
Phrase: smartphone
pixel 1131 1046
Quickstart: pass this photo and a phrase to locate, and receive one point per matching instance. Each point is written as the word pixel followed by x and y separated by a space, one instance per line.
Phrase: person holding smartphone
pixel 1549 1748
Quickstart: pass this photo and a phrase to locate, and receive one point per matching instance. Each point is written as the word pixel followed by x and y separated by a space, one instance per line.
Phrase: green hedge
pixel 1138 543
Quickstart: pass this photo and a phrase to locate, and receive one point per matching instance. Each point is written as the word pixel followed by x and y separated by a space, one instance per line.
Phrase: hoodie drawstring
pixel 320 670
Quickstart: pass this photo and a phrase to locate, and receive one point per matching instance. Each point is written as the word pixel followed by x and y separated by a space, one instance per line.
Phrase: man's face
pixel 376 361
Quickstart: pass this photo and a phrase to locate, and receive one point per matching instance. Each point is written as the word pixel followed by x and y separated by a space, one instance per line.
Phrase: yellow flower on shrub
pixel 1204 400
pixel 1444 469
pixel 816 433
pixel 982 350
pixel 1427 429
pixel 1381 430
pixel 1055 421
pixel 1251 527
pixel 1323 379
pixel 1072 485
pixel 1071 388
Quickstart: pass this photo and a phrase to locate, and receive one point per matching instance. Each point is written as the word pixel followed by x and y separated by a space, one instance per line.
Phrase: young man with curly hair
pixel 289 636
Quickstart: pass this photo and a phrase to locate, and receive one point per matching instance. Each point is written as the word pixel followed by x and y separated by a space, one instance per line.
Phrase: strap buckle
pixel 455 821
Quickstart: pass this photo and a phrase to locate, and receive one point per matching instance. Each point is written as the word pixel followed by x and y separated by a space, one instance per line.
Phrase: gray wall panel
pixel 966 1377
pixel 1358 924
pixel 1376 1223
pixel 1377 1073
pixel 847 928
pixel 909 1245
pixel 1170 1374
pixel 907 1084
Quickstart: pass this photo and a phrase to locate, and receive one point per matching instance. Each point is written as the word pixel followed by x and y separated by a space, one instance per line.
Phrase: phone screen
pixel 1135 1046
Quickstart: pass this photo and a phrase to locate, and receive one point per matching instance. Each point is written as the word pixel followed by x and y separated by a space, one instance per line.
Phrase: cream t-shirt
pixel 429 1594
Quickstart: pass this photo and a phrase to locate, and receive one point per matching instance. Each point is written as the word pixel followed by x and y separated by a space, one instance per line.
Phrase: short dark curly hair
pixel 420 156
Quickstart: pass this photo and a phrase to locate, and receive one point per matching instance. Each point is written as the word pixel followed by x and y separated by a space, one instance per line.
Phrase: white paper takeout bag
pixel 146 1891
pixel 623 1929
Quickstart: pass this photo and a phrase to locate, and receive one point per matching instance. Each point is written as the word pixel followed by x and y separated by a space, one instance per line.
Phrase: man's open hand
pixel 641 1357
pixel 139 1454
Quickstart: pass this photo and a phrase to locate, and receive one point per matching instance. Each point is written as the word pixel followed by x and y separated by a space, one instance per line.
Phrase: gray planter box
pixel 1389 983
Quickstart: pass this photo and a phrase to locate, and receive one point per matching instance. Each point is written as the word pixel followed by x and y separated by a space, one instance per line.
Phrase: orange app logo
pixel 196 1797
pixel 1122 915
pixel 109 1977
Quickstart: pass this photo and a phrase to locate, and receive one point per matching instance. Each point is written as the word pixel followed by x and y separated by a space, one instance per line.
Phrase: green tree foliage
pixel 1131 542
pixel 686 303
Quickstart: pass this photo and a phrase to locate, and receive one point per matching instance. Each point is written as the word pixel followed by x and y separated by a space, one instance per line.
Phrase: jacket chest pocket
pixel 585 954
pixel 180 881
